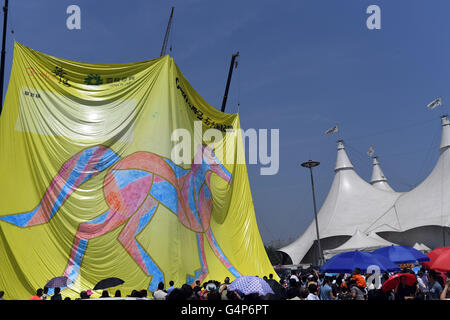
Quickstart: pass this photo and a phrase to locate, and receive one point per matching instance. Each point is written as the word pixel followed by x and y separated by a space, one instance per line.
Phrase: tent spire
pixel 378 179
pixel 342 160
pixel 445 139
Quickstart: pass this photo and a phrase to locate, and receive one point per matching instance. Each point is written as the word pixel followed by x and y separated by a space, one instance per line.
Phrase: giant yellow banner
pixel 89 188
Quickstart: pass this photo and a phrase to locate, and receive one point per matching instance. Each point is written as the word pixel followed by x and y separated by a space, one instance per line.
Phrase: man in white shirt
pixel 159 293
pixel 312 288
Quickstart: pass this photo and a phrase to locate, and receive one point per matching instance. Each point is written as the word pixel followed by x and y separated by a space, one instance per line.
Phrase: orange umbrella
pixel 434 255
pixel 395 280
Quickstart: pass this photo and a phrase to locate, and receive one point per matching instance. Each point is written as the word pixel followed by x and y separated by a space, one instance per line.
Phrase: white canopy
pixel 354 204
pixel 359 241
pixel 351 204
pixel 426 205
pixel 421 247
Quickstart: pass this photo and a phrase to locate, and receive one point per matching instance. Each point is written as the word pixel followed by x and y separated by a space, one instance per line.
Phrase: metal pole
pixel 2 65
pixel 230 73
pixel 311 164
pixel 166 36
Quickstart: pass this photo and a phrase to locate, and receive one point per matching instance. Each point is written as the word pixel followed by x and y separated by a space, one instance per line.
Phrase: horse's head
pixel 206 160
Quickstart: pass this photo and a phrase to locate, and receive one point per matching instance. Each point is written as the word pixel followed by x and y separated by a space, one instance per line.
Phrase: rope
pixel 427 155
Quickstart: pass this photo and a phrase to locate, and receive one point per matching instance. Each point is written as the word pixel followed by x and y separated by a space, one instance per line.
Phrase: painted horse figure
pixel 133 188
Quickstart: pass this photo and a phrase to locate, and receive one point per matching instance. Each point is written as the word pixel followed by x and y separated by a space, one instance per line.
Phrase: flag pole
pixel 2 65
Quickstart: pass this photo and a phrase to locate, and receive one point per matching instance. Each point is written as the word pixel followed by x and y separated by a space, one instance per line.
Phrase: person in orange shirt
pixel 358 278
pixel 38 296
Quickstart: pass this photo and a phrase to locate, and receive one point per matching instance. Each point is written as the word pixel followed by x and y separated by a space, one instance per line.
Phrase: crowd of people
pixel 296 285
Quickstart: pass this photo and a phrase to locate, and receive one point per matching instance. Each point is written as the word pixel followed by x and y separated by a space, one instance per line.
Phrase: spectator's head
pixel 2 293
pixel 171 283
pixel 197 282
pixel 39 292
pixel 144 293
pixel 67 299
pixel 213 295
pixel 161 286
pixel 357 271
pixel 270 276
pixel 303 293
pixel 420 273
pixel 45 290
pixel 432 276
pixel 118 294
pixel 264 277
pixel 84 295
pixel 312 288
pixel 188 291
pixel 105 294
pixel 227 280
pixel 57 290
pixel 176 295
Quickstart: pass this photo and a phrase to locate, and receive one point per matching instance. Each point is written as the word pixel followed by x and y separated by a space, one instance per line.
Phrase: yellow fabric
pixel 54 109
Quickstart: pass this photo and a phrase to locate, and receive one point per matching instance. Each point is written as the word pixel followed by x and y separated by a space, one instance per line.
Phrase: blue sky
pixel 304 66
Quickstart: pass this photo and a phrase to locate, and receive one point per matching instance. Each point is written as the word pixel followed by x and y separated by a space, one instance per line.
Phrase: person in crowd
pixel 188 292
pixel 313 294
pixel 171 287
pixel 176 295
pixel 403 291
pixel 233 295
pixel 45 294
pixel 2 294
pixel 445 294
pixel 223 289
pixel 355 290
pixel 83 295
pixel 421 286
pixel 343 293
pixel 326 293
pixel 197 286
pixel 67 299
pixel 303 293
pixel 270 276
pixel 159 293
pixel 38 296
pixel 295 276
pixel 105 294
pixel 434 287
pixel 117 294
pixel 144 294
pixel 293 289
pixel 56 294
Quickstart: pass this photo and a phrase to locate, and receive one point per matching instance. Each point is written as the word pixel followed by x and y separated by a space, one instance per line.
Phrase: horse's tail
pixel 80 168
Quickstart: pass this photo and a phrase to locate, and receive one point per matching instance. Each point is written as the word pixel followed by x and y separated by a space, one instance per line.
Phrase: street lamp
pixel 311 164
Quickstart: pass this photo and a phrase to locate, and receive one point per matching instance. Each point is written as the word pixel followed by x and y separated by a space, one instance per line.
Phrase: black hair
pixel 171 283
pixel 39 292
pixel 105 294
pixel 2 293
pixel 118 294
pixel 161 286
pixel 270 276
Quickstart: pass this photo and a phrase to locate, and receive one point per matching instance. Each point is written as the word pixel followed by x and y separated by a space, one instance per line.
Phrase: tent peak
pixel 342 160
pixel 378 179
pixel 445 139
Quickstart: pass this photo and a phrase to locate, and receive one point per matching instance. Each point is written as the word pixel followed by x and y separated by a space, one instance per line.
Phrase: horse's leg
pixel 203 272
pixel 88 230
pixel 73 173
pixel 128 239
pixel 219 254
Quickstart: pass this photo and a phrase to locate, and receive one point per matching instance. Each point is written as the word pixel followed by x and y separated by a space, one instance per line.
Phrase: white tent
pixel 421 247
pixel 426 205
pixel 404 218
pixel 351 204
pixel 359 241
pixel 378 180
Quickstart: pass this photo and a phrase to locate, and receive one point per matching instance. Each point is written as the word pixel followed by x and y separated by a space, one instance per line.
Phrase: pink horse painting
pixel 134 187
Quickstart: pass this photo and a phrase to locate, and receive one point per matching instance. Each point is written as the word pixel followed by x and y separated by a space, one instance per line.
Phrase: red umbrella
pixel 395 280
pixel 441 263
pixel 434 255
